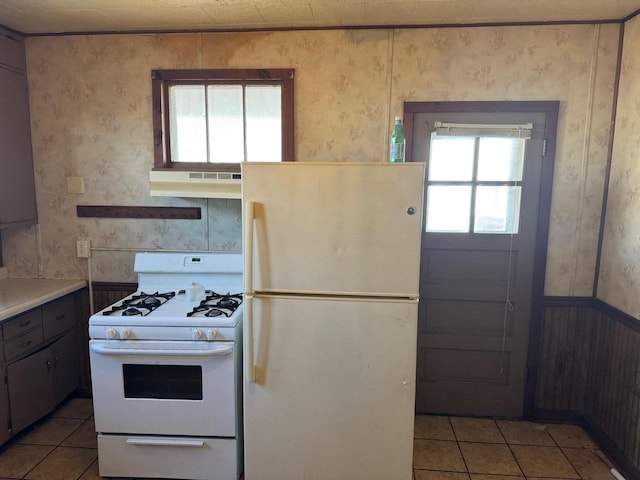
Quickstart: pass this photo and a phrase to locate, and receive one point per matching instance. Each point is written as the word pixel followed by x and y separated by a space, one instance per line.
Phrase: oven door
pixel 164 387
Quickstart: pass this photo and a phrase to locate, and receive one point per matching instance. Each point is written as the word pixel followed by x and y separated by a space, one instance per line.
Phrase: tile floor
pixel 457 448
pixel 62 446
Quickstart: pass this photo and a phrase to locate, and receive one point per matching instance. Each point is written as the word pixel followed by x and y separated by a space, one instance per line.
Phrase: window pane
pixel 264 123
pixel 188 124
pixel 500 159
pixel 451 158
pixel 497 209
pixel 226 125
pixel 448 208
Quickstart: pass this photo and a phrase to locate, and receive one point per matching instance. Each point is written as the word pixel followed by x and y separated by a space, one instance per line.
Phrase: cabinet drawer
pixel 58 316
pixel 198 458
pixel 21 324
pixel 22 344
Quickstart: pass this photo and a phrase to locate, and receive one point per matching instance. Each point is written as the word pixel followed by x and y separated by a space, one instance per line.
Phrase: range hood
pixel 176 183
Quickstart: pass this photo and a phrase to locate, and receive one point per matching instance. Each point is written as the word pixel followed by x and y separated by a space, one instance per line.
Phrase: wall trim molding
pixel 607 170
pixel 109 286
pixel 145 212
pixel 560 301
pixel 334 27
pixel 620 316
pixel 598 305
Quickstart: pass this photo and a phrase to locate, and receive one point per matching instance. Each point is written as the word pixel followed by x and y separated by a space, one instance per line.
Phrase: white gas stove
pixel 166 370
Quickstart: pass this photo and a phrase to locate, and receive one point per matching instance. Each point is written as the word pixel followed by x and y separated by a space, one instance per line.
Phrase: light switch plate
pixel 75 185
pixel 83 248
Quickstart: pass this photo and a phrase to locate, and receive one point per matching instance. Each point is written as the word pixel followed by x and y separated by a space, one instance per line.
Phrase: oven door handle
pixel 161 353
pixel 164 442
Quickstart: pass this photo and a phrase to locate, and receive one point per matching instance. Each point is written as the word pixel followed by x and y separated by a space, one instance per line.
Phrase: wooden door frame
pixel 551 109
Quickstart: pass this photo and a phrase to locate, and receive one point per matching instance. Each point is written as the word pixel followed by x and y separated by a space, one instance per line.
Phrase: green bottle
pixel 396 150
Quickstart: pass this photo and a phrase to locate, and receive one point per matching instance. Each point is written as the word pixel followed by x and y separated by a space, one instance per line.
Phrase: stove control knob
pixel 125 333
pixel 112 333
pixel 211 334
pixel 198 334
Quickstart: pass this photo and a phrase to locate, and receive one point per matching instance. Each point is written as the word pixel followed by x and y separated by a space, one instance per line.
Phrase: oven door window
pixel 178 382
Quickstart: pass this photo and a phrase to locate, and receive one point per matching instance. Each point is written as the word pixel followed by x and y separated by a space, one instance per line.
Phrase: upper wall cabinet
pixel 17 189
pixel 12 51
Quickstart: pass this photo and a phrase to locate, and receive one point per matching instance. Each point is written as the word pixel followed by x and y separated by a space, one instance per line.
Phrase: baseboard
pixel 617 457
pixel 559 416
pixel 82 392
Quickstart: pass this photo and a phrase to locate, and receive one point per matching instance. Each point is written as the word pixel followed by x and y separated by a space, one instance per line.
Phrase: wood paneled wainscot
pixel 589 373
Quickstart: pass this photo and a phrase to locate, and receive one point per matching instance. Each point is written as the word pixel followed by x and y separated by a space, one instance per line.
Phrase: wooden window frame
pixel 162 79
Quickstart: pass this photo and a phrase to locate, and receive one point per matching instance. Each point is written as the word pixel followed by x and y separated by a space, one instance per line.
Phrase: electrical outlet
pixel 83 248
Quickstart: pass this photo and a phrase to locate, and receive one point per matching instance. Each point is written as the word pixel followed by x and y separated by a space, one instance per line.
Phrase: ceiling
pixel 58 16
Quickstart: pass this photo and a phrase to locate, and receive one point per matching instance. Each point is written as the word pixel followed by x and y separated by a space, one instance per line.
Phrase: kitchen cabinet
pixel 40 351
pixel 5 433
pixel 30 389
pixel 17 187
pixel 66 370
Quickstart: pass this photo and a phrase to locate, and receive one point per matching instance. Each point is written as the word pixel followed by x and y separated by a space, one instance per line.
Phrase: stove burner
pixel 215 305
pixel 224 301
pixel 166 296
pixel 140 305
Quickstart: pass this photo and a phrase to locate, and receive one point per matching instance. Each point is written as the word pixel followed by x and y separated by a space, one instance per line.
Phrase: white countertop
pixel 18 295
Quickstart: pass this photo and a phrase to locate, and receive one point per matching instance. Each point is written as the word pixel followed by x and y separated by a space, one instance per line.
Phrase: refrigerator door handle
pixel 248 289
pixel 248 247
pixel 248 329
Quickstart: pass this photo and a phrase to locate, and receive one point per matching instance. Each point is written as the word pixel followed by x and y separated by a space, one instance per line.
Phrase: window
pixel 215 119
pixel 474 179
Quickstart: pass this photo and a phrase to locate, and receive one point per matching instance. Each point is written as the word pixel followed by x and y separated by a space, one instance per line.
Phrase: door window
pixel 474 182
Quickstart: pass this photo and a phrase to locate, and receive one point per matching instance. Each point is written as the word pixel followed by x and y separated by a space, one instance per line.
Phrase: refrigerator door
pixel 333 396
pixel 337 228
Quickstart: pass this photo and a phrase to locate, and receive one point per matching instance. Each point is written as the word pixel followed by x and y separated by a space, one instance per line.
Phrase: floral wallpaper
pixel 573 64
pixel 619 280
pixel 91 117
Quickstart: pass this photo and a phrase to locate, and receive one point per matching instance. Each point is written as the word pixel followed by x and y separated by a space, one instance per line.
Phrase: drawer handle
pixel 25 344
pixel 60 317
pixel 164 442
pixel 24 323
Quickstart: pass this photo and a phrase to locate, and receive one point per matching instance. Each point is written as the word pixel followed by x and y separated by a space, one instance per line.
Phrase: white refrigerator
pixel 332 262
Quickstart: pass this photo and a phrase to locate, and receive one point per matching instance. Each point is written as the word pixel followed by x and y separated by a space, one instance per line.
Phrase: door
pixel 66 370
pixel 478 258
pixel 30 384
pixel 333 396
pixel 5 433
pixel 163 387
pixel 334 227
